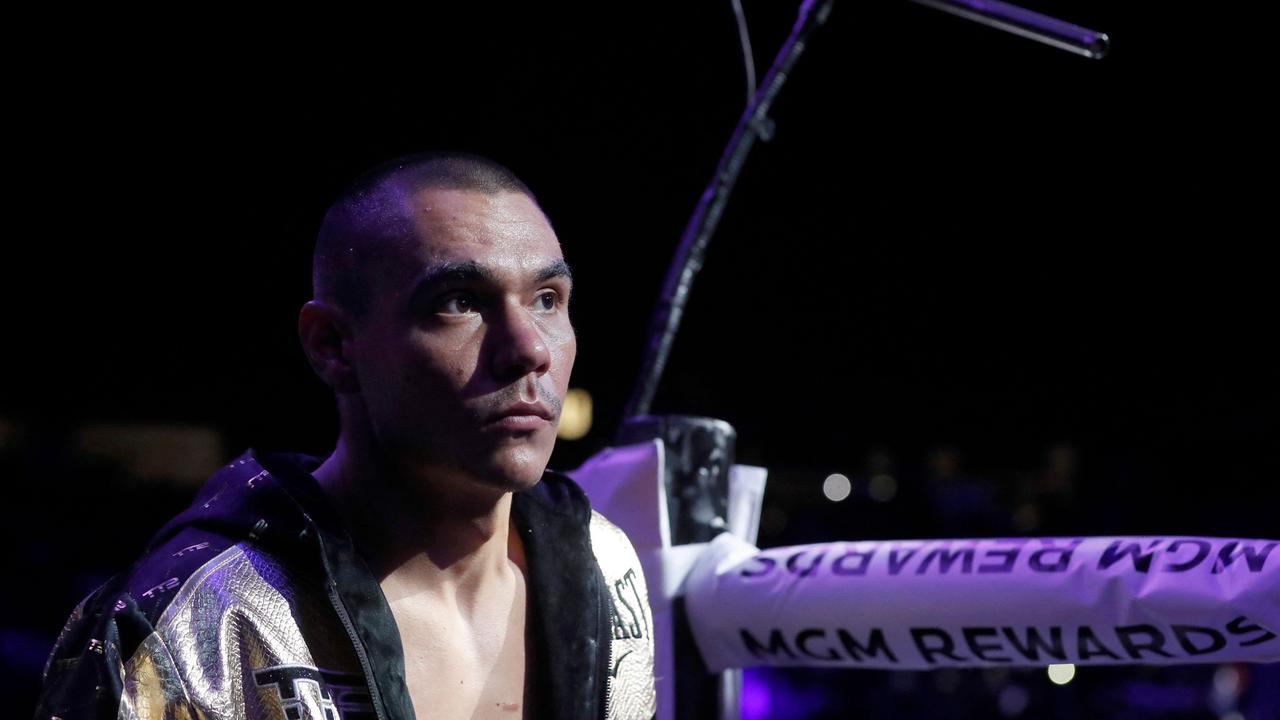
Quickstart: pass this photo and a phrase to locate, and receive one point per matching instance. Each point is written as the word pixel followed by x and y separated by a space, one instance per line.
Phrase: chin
pixel 525 477
pixel 518 471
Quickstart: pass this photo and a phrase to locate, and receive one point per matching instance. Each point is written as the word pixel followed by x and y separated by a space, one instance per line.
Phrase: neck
pixel 438 534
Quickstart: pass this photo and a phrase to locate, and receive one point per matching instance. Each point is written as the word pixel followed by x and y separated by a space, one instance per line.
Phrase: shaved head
pixel 375 211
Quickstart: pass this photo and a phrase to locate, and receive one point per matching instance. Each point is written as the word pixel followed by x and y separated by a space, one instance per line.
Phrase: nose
pixel 520 345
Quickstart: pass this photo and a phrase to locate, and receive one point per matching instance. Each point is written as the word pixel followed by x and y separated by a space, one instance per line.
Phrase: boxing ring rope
pixel 930 604
pixel 922 605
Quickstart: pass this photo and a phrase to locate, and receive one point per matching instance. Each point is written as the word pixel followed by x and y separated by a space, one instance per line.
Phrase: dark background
pixel 1030 287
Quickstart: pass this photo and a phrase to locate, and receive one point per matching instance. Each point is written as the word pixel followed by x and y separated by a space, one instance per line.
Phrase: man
pixel 431 566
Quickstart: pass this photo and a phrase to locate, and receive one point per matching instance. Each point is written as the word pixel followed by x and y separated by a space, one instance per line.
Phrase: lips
pixel 522 416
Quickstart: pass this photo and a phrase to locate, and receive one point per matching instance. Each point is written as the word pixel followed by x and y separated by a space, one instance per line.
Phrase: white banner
pixel 927 604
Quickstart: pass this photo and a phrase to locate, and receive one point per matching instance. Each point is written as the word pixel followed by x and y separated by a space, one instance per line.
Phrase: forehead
pixel 505 231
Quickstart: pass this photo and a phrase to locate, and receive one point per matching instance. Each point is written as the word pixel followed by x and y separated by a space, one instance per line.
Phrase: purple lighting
pixel 755 703
pixel 768 694
pixel 1026 23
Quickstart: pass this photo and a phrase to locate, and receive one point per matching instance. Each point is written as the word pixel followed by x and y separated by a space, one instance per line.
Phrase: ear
pixel 323 331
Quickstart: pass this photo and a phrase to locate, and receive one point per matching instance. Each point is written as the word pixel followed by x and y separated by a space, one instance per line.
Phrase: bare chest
pixel 465 665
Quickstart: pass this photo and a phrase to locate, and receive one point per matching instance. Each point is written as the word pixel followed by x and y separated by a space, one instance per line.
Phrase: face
pixel 468 341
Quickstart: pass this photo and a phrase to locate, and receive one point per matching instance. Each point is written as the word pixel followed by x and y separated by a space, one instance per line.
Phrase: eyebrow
pixel 470 271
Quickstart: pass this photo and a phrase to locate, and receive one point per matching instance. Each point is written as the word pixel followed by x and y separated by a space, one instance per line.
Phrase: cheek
pixel 567 353
pixel 572 353
pixel 442 368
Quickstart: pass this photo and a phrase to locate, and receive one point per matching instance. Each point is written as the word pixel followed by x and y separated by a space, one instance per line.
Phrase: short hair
pixel 370 213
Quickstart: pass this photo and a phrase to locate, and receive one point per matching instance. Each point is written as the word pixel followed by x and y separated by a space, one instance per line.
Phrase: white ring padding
pixel 902 604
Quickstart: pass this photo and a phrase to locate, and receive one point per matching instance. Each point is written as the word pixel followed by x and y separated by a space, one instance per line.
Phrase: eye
pixel 548 300
pixel 457 304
